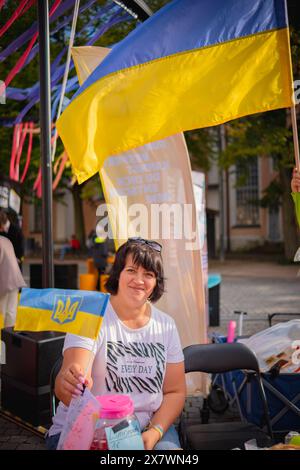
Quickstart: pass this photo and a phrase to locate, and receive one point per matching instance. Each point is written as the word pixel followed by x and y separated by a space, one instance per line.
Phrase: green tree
pixel 270 135
pixel 30 75
pixel 261 135
pixel 267 135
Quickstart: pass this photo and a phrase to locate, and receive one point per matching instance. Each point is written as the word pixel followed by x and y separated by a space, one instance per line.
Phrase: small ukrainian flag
pixel 69 311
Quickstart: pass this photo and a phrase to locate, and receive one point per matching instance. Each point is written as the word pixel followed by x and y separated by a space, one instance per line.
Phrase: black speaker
pixel 25 376
pixel 65 276
pixel 214 305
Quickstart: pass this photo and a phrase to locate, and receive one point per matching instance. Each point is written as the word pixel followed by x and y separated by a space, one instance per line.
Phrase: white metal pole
pixel 295 136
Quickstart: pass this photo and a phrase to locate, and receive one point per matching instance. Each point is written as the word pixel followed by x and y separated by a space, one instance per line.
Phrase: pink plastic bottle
pixel 114 408
pixel 231 331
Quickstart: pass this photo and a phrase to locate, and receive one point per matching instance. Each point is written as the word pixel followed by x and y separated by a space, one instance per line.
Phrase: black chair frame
pixel 219 358
pixel 53 374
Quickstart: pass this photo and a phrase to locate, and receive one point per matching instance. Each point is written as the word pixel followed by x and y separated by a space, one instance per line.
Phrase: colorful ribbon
pixel 58 73
pixel 27 35
pixel 22 8
pixel 29 151
pixel 23 58
pixel 62 160
pixel 19 152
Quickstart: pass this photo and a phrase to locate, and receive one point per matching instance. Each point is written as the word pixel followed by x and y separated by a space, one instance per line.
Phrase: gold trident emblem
pixel 65 313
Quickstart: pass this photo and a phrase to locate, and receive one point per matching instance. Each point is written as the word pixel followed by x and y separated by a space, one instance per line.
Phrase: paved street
pixel 256 287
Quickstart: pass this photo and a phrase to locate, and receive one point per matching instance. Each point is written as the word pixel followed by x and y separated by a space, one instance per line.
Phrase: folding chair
pixel 220 358
pixel 53 374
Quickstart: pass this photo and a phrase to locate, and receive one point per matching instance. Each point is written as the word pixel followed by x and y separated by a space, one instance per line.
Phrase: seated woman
pixel 138 350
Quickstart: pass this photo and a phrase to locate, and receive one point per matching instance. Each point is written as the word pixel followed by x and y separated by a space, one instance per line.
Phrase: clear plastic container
pixel 114 409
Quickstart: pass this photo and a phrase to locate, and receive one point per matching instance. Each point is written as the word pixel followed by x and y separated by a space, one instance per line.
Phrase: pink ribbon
pixel 62 165
pixel 19 152
pixel 38 183
pixel 23 58
pixel 29 151
pixel 22 8
pixel 15 148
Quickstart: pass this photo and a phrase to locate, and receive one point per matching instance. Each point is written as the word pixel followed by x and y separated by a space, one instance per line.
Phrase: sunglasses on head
pixel 154 245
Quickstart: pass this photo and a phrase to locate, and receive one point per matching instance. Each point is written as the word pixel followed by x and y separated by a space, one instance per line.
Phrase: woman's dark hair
pixel 142 255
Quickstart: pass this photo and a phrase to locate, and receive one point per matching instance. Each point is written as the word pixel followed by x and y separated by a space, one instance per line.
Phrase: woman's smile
pixel 136 281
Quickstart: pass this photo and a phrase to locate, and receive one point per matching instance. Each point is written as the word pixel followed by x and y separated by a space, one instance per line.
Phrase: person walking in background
pixel 72 247
pixel 90 241
pixel 99 252
pixel 11 280
pixel 14 233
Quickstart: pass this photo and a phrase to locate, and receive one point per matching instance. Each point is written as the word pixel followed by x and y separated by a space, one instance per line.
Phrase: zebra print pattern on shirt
pixel 116 351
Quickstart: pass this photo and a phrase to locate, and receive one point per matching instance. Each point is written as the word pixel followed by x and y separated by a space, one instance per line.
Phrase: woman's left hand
pixel 150 438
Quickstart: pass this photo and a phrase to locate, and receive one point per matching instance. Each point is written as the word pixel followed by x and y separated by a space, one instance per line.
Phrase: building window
pixel 247 195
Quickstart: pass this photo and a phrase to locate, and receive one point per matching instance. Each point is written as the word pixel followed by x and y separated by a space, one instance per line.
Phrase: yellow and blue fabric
pixel 69 311
pixel 192 64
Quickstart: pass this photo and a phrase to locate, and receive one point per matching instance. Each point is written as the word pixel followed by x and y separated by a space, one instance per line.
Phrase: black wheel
pixel 217 400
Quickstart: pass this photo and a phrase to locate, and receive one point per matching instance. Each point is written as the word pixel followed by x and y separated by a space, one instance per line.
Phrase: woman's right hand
pixel 69 383
pixel 70 379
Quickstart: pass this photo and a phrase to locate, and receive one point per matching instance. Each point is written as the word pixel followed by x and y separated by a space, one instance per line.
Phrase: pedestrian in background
pixel 14 233
pixel 99 251
pixel 73 246
pixel 11 280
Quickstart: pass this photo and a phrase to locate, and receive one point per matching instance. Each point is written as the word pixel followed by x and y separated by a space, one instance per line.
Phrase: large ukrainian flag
pixel 195 63
pixel 69 311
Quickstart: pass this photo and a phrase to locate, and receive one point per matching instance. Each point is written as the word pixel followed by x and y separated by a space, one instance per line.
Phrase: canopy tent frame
pixel 45 143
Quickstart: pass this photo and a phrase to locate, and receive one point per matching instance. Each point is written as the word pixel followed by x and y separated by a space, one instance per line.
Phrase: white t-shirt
pixel 129 361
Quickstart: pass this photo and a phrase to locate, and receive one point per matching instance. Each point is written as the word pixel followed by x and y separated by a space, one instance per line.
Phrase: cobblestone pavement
pixel 13 437
pixel 259 288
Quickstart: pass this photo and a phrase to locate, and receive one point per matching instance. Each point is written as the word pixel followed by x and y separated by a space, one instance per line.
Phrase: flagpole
pixel 93 351
pixel 295 136
pixel 222 148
